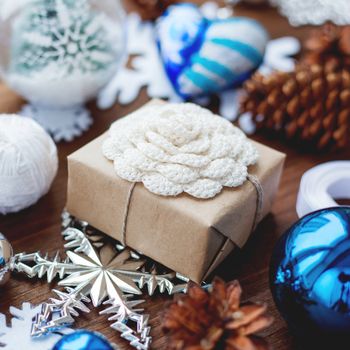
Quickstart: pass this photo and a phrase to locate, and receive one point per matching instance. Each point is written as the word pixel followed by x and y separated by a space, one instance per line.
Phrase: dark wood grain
pixel 38 227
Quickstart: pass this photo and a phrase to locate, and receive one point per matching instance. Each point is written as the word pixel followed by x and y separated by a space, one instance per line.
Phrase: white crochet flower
pixel 175 148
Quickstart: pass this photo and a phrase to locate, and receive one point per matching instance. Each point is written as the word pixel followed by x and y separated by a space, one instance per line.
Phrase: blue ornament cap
pixel 203 56
pixel 83 340
pixel 310 274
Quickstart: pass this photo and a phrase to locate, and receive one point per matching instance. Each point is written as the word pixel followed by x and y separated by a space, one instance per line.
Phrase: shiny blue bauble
pixel 83 340
pixel 310 274
pixel 202 56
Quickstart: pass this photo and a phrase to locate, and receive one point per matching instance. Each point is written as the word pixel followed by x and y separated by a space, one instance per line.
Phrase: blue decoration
pixel 310 274
pixel 83 340
pixel 203 56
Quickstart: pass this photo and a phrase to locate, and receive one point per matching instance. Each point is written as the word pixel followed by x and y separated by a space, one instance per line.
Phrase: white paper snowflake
pixel 66 125
pixel 147 69
pixel 17 335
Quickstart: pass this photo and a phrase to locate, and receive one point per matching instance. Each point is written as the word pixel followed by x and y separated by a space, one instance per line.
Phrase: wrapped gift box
pixel 188 235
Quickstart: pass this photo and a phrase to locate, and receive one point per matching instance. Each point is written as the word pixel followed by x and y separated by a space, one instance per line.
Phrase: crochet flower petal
pixel 110 149
pixel 158 184
pixel 237 177
pixel 192 160
pixel 198 146
pixel 161 142
pixel 125 171
pixel 220 146
pixel 176 132
pixel 219 168
pixel 249 154
pixel 153 152
pixel 134 158
pixel 177 173
pixel 204 188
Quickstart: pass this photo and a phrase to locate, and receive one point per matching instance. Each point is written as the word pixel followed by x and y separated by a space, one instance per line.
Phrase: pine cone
pixel 330 43
pixel 152 9
pixel 214 320
pixel 311 104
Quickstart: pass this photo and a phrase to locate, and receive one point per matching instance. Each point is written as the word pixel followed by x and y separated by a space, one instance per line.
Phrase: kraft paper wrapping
pixel 188 235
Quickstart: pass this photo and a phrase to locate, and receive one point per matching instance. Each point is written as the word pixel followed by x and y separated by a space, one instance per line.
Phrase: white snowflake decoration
pixel 17 335
pixel 61 126
pixel 147 69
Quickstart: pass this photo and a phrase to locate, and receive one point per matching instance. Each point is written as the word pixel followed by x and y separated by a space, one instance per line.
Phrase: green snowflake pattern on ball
pixel 61 37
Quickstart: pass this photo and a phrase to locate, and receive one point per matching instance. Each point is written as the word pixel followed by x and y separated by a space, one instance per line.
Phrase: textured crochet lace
pixel 175 148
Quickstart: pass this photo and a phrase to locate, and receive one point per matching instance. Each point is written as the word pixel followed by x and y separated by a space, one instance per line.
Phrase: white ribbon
pixel 321 185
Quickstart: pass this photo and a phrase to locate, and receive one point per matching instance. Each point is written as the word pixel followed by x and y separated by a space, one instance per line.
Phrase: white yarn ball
pixel 28 162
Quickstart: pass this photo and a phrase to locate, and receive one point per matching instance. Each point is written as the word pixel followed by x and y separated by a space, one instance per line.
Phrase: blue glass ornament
pixel 310 274
pixel 83 340
pixel 203 56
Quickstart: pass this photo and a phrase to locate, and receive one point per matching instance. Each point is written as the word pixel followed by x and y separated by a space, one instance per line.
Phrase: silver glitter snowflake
pixel 99 270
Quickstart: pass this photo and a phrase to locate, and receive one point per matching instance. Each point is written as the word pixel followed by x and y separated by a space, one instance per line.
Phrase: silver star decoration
pixel 100 270
pixel 104 274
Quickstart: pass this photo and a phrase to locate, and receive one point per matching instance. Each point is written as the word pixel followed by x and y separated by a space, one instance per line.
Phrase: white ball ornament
pixel 28 163
pixel 58 54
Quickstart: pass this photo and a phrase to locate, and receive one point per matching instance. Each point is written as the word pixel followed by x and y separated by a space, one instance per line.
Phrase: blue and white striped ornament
pixel 203 56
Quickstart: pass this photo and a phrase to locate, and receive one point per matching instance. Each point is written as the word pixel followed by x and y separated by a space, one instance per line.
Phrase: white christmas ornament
pixel 58 54
pixel 175 148
pixel 28 162
pixel 17 336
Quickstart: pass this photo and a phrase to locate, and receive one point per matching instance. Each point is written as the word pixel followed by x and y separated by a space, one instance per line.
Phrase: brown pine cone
pixel 214 320
pixel 311 105
pixel 330 43
pixel 152 9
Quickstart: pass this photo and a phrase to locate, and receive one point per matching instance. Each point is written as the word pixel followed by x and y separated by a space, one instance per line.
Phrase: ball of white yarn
pixel 28 162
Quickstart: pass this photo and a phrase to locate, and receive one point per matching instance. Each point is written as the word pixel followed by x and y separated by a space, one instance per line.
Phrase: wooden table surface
pixel 38 227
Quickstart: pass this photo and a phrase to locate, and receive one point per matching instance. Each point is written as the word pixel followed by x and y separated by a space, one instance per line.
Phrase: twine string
pixel 126 212
pixel 251 178
pixel 259 199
